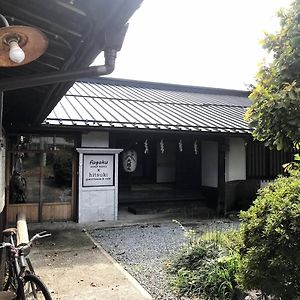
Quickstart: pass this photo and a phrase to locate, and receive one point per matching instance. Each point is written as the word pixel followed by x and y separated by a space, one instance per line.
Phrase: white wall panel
pixel 235 160
pixel 95 139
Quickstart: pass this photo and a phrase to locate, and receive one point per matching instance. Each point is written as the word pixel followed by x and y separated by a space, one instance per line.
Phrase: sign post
pixel 98 184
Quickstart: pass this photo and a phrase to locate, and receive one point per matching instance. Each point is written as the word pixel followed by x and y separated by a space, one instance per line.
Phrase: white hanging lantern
pixel 129 160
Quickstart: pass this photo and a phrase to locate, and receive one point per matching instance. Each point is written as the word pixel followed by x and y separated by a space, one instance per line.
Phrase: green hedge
pixel 270 257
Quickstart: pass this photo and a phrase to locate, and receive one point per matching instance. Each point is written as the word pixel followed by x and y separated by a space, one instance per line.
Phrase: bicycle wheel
pixel 34 289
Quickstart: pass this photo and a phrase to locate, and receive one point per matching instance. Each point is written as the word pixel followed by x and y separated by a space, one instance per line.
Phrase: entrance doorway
pixel 40 178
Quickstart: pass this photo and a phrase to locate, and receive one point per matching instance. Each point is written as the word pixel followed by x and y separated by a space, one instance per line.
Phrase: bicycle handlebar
pixel 39 236
pixel 28 245
pixel 4 245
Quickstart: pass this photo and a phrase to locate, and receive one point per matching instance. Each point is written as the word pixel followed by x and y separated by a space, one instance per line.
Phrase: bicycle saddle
pixel 8 232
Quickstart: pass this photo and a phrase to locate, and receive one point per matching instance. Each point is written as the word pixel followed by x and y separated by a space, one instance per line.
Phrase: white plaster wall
pixel 209 161
pixel 95 139
pixel 166 164
pixel 97 205
pixel 2 178
pixel 235 160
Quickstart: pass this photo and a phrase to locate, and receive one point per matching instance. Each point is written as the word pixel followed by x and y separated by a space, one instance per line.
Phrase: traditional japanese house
pixel 111 144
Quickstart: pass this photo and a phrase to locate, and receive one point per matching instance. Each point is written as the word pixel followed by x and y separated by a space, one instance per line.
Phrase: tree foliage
pixel 270 232
pixel 275 111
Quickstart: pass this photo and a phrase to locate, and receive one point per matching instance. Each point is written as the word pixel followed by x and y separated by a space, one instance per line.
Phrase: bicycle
pixel 20 277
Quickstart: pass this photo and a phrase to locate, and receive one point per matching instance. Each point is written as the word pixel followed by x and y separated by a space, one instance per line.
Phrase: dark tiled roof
pixel 136 104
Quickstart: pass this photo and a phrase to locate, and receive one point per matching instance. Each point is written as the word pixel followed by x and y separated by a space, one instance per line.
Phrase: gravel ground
pixel 143 250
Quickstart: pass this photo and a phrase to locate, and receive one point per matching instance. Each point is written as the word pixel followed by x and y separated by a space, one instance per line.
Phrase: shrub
pixel 270 259
pixel 206 267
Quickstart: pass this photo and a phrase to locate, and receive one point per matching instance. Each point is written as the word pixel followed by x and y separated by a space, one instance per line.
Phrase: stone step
pixel 187 208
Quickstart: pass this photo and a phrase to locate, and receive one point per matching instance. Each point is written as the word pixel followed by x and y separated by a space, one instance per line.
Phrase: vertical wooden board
pixel 30 210
pixel 57 212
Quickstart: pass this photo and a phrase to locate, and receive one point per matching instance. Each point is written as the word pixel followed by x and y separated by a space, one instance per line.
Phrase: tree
pixel 274 114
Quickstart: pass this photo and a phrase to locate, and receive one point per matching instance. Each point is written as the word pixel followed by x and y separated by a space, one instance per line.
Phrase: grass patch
pixel 206 266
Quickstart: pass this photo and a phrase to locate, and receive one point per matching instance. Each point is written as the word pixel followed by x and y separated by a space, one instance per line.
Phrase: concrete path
pixel 73 267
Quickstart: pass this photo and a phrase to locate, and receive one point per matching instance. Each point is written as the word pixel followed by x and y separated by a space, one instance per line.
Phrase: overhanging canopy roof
pixel 124 104
pixel 76 32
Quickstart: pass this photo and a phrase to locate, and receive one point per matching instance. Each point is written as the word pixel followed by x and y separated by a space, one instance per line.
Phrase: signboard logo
pixel 98 170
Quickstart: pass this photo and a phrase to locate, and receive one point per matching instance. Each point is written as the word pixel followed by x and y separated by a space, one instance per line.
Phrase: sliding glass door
pixel 41 180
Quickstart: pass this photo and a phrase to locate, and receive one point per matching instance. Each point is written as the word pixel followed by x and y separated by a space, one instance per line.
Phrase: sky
pixel 212 43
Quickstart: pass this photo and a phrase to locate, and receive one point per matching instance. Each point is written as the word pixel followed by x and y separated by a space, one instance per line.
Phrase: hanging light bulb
pixel 16 54
pixel 16 40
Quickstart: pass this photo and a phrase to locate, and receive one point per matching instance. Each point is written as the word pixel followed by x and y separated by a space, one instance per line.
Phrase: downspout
pixel 54 77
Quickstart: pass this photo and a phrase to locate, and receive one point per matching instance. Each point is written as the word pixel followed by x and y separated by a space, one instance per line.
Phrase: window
pixel 40 169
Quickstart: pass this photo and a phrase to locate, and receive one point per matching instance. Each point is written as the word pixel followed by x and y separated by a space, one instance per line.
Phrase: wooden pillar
pixel 22 233
pixel 221 177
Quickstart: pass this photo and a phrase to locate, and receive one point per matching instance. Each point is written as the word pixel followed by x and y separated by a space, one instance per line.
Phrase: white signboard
pixel 98 170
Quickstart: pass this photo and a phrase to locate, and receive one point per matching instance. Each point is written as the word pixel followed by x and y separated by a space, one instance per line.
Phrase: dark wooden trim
pixel 76 130
pixel 41 188
pixel 263 163
pixel 7 183
pixel 221 177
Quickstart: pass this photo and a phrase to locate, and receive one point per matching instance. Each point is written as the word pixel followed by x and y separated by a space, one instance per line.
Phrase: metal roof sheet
pixel 136 104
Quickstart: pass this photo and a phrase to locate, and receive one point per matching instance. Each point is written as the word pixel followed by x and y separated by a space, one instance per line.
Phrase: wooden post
pixel 22 234
pixel 221 178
